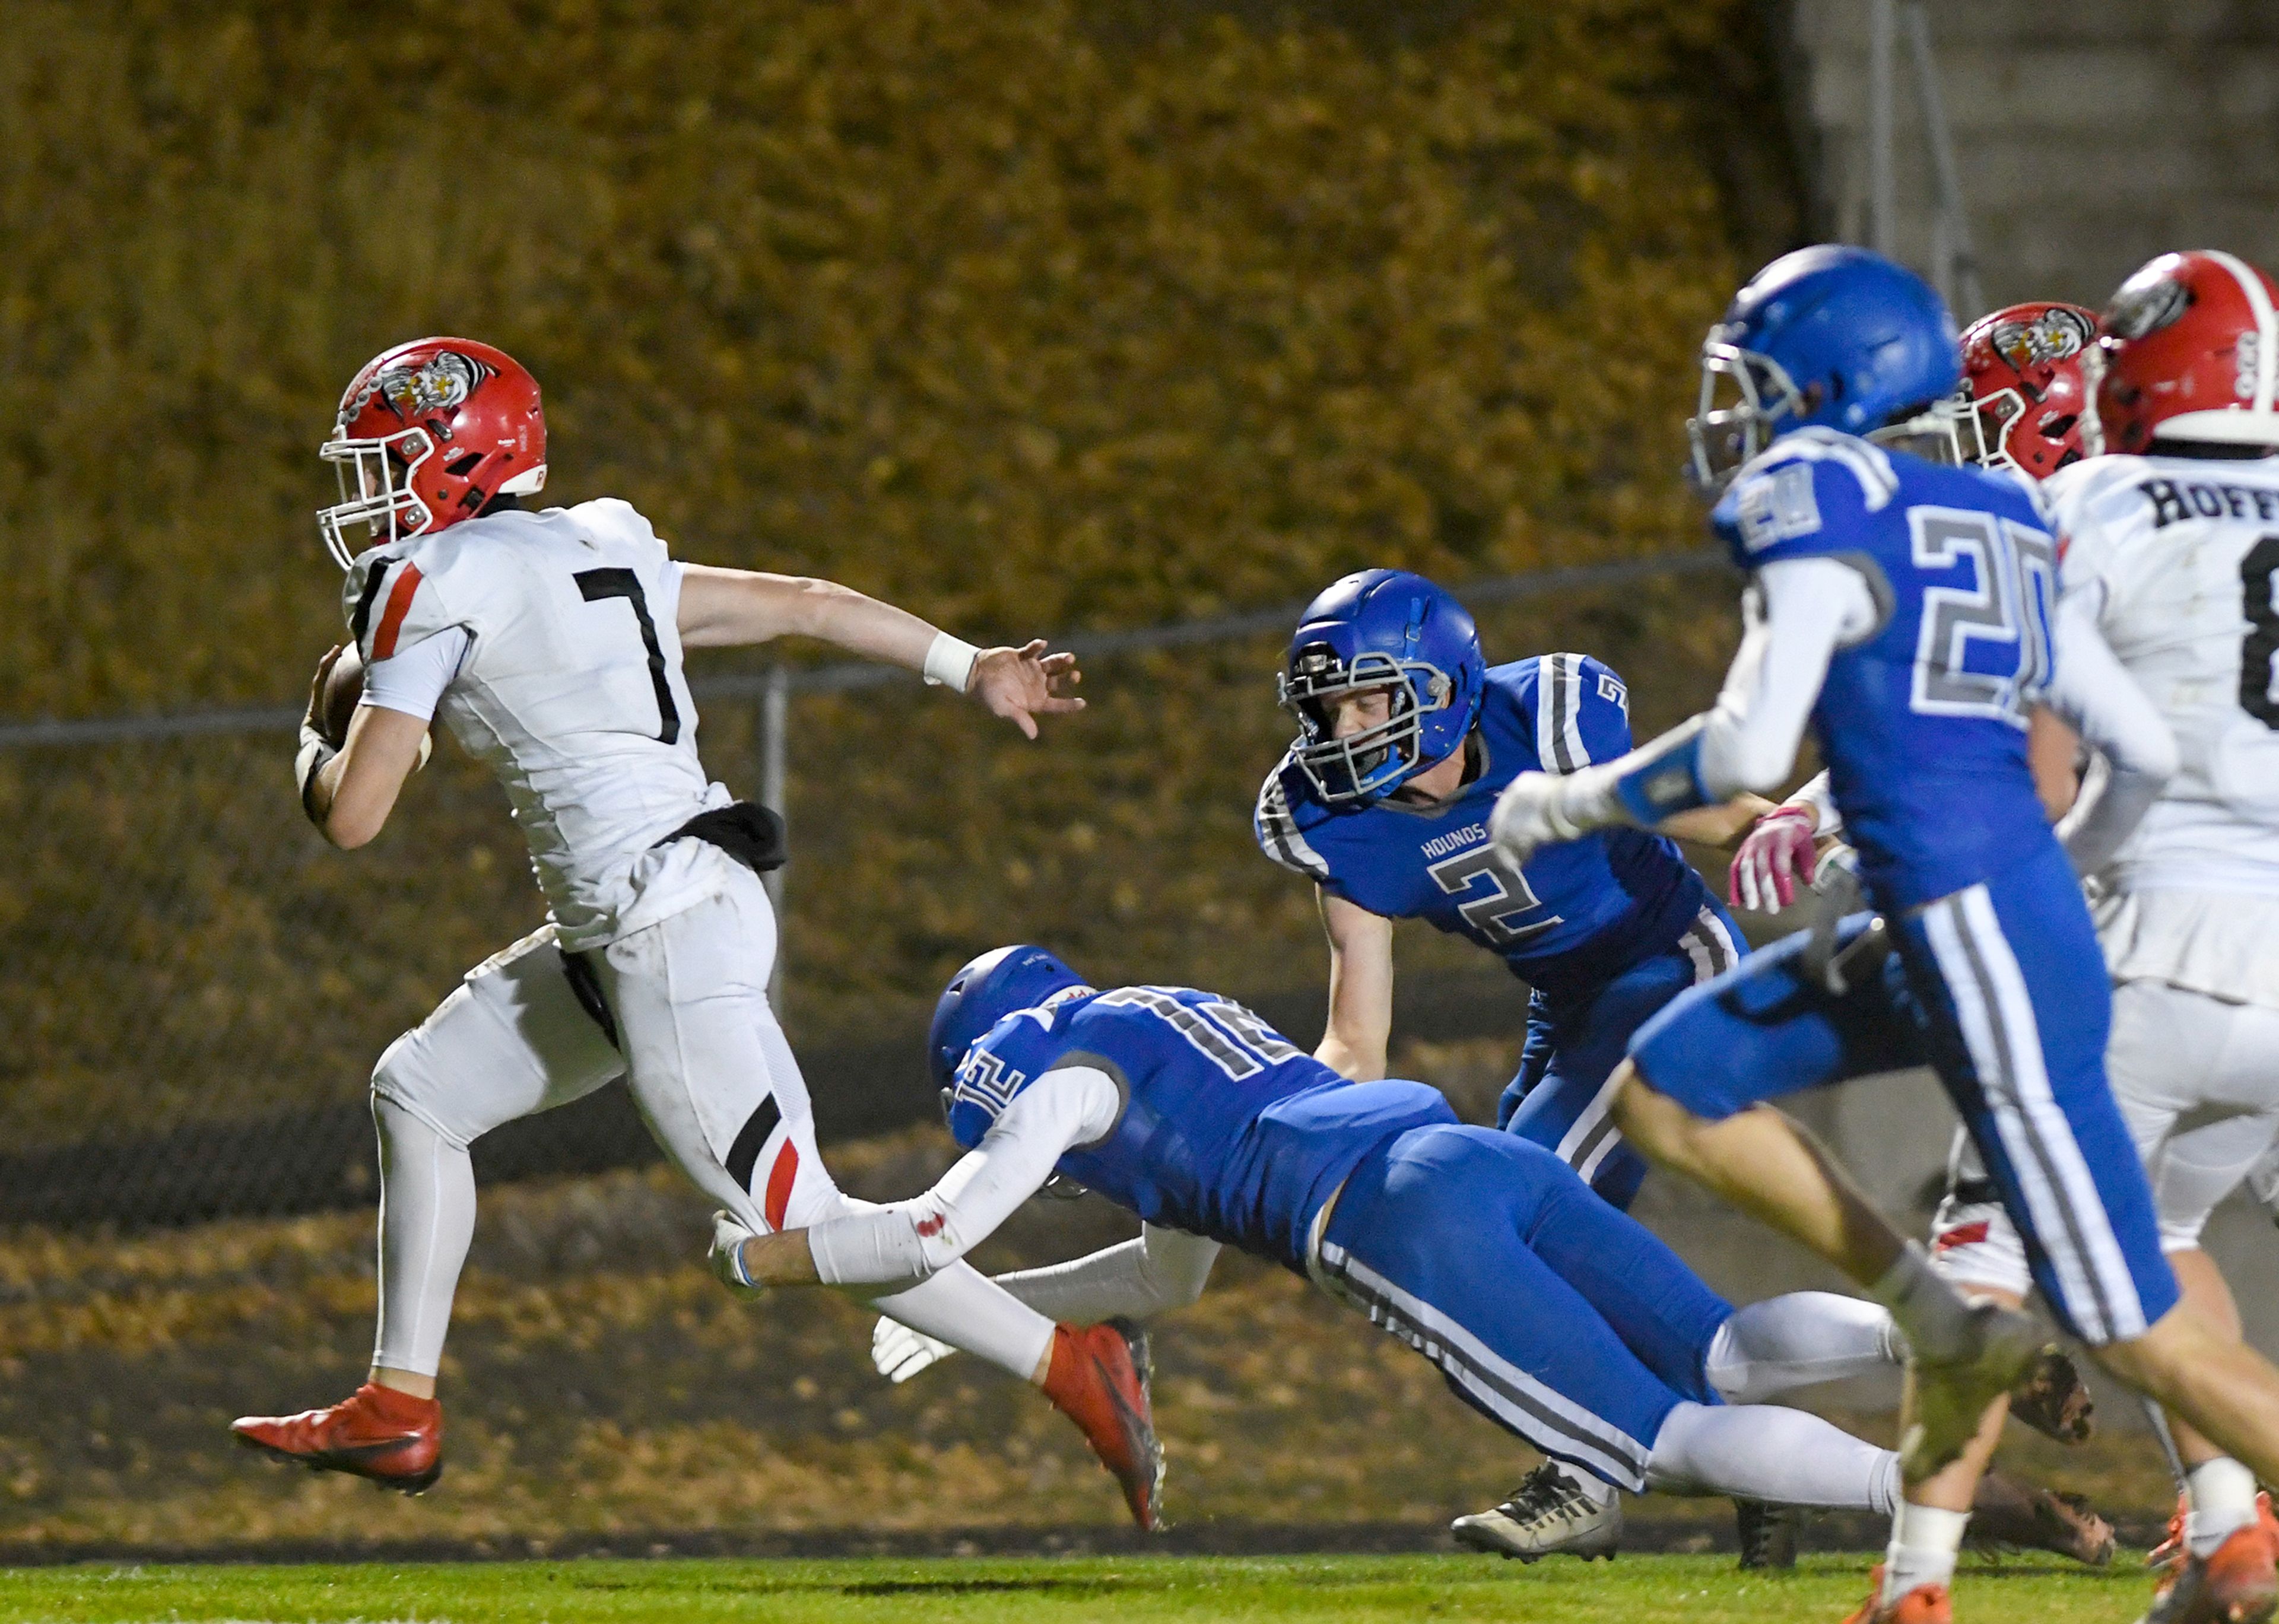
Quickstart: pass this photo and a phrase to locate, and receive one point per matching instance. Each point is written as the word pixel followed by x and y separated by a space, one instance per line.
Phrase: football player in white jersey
pixel 551 643
pixel 2172 549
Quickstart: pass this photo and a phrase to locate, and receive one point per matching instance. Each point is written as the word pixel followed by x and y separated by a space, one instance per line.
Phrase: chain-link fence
pixel 197 985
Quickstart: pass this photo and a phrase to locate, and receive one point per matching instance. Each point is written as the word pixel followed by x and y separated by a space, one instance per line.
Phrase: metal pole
pixel 1883 195
pixel 775 719
pixel 1958 265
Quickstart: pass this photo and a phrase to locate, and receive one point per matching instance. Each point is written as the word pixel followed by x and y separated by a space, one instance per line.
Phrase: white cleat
pixel 1548 1514
pixel 1950 1395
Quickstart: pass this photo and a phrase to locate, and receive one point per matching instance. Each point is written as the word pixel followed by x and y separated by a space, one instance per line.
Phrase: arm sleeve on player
pixel 907 1241
pixel 2094 694
pixel 412 680
pixel 1804 609
pixel 1163 1270
pixel 1816 793
pixel 1582 713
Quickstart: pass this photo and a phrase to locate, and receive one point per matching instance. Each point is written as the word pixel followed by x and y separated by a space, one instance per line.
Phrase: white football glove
pixel 727 1258
pixel 1538 809
pixel 900 1352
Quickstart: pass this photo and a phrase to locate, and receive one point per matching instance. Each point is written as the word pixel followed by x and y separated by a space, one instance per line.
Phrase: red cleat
pixel 1098 1378
pixel 376 1432
pixel 2240 1584
pixel 1926 1603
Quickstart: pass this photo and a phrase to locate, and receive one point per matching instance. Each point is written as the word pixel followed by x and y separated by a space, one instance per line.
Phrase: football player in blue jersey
pixel 1553 1315
pixel 1405 737
pixel 1904 607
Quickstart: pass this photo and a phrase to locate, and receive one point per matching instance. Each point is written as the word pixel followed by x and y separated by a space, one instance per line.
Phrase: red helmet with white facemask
pixel 2189 350
pixel 427 433
pixel 2022 369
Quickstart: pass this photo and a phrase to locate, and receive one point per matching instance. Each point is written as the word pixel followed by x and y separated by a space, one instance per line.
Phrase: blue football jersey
pixel 1923 723
pixel 1228 1130
pixel 1576 914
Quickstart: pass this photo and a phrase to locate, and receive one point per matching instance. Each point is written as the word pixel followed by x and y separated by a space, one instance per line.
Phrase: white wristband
pixel 949 663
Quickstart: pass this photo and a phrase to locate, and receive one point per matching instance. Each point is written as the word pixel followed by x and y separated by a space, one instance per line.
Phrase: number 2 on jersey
pixel 2016 570
pixel 596 584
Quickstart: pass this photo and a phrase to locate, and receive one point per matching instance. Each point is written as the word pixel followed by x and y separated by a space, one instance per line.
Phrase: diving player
pixel 1406 735
pixel 1551 1313
pixel 1908 608
pixel 551 643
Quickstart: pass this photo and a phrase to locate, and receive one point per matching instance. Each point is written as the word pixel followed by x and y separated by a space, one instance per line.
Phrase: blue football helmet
pixel 998 984
pixel 1832 337
pixel 1382 629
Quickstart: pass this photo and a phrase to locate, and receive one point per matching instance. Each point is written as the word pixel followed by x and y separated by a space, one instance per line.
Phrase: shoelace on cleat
pixel 1545 1491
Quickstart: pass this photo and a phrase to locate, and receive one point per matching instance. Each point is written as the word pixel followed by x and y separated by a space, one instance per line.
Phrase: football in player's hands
pixel 342 687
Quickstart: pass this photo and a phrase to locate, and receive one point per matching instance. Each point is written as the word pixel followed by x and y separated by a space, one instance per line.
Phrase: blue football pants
pixel 1560 1099
pixel 2002 989
pixel 1556 1316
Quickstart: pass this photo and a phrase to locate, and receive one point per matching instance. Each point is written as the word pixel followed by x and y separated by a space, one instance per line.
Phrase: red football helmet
pixel 427 432
pixel 2189 350
pixel 2022 369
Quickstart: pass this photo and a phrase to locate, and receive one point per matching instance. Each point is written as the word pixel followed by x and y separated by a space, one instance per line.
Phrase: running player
pixel 551 643
pixel 1554 1315
pixel 1907 607
pixel 1405 737
pixel 2189 908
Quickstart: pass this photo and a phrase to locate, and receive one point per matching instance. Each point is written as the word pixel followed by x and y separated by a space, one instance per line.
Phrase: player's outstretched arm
pixel 1747 743
pixel 731 607
pixel 1361 990
pixel 347 792
pixel 905 1241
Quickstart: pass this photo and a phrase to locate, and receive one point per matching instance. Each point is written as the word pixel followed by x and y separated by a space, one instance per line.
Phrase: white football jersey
pixel 2181 557
pixel 571 690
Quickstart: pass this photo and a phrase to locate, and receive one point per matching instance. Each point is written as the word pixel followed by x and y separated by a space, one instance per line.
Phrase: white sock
pixel 1924 1543
pixel 1596 1490
pixel 426 1219
pixel 1799 1340
pixel 1763 1451
pixel 2223 1502
pixel 1930 1312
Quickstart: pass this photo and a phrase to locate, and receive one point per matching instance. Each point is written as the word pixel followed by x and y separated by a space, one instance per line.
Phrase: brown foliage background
pixel 1033 317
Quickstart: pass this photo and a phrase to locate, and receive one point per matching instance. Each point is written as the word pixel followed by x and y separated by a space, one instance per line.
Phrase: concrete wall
pixel 2089 136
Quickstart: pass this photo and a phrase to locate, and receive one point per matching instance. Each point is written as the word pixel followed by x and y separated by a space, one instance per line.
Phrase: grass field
pixel 1698 1590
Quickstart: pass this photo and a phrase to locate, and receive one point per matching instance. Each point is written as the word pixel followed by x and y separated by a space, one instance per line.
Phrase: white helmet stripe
pixel 2267 323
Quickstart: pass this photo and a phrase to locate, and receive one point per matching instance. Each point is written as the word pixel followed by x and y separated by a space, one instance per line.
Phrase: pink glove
pixel 1775 858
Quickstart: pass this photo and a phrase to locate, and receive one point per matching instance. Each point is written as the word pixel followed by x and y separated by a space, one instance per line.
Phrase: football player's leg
pixel 1973 1241
pixel 2197 1082
pixel 1696 1071
pixel 1429 1239
pixel 511 1040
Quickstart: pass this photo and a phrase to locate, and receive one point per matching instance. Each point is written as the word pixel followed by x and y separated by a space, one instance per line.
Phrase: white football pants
pixel 2197 1082
pixel 708 1069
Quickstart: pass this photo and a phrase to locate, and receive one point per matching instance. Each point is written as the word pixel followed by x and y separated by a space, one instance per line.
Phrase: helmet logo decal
pixel 2145 307
pixel 2056 334
pixel 439 382
pixel 2243 364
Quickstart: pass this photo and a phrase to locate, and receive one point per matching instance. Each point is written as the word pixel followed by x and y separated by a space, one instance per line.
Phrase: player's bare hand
pixel 1777 854
pixel 1023 684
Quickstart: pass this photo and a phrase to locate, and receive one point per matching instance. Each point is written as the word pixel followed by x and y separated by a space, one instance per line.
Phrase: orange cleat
pixel 2240 1584
pixel 1098 1378
pixel 376 1432
pixel 1926 1603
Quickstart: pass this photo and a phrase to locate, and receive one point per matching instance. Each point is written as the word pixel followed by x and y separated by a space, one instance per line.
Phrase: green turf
pixel 1697 1590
